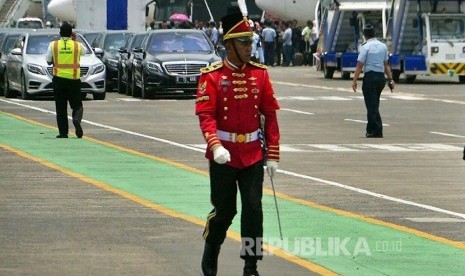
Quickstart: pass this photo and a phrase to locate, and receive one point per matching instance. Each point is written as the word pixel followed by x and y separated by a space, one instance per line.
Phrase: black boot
pixel 210 259
pixel 77 117
pixel 250 268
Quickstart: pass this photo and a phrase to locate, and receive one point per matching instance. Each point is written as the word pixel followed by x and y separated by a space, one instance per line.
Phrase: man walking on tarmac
pixel 231 97
pixel 373 58
pixel 65 55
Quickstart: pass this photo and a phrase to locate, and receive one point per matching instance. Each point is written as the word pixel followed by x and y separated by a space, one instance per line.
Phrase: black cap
pixel 368 30
pixel 66 30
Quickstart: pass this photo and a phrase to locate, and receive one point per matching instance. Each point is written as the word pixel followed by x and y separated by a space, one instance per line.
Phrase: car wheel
pixel 410 78
pixel 328 72
pixel 128 85
pixel 395 75
pixel 121 86
pixel 135 89
pixel 345 75
pixel 99 96
pixel 146 94
pixel 24 94
pixel 6 88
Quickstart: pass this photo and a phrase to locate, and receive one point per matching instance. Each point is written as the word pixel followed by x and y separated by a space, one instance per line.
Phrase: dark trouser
pixel 287 54
pixel 269 53
pixel 278 52
pixel 373 84
pixel 224 181
pixel 67 90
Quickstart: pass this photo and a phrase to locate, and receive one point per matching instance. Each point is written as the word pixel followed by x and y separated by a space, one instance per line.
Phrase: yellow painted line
pixel 401 228
pixel 169 212
pixel 311 204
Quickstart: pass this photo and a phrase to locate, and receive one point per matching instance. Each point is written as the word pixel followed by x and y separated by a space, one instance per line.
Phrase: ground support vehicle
pixel 428 38
pixel 341 27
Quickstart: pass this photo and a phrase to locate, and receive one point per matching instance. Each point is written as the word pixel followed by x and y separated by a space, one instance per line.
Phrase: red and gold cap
pixel 235 25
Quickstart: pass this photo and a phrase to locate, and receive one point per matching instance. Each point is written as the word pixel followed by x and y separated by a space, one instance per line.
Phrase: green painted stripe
pixel 381 250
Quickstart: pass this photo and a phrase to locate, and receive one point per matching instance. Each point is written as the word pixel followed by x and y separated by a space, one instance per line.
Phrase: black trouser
pixel 373 84
pixel 269 53
pixel 67 90
pixel 224 181
pixel 278 52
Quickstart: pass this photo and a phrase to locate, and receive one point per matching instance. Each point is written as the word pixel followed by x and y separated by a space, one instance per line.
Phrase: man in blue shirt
pixel 373 59
pixel 269 36
pixel 287 45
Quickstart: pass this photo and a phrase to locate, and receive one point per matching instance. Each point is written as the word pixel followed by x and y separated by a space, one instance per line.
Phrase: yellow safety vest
pixel 66 55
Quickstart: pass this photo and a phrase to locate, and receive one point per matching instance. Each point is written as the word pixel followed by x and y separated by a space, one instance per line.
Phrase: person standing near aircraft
pixel 269 38
pixel 373 59
pixel 231 98
pixel 287 45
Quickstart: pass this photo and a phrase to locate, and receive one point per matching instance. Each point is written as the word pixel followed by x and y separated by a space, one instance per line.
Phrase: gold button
pixel 225 108
pixel 255 97
pixel 225 99
pixel 225 118
pixel 256 107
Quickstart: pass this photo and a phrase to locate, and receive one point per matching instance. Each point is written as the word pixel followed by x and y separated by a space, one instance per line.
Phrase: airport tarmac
pixel 131 198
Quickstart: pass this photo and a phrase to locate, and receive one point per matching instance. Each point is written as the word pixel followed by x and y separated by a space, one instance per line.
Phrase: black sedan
pixel 111 42
pixel 126 56
pixel 170 60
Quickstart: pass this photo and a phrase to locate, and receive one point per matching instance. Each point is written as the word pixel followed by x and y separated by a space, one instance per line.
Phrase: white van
pixel 30 23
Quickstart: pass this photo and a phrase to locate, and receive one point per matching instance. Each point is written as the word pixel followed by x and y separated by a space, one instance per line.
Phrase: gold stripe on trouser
pixel 443 68
pixel 210 216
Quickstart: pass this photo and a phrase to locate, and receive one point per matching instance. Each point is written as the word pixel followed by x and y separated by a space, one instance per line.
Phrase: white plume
pixel 243 7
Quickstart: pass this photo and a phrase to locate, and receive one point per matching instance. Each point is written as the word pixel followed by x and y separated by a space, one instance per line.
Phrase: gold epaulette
pixel 211 68
pixel 259 65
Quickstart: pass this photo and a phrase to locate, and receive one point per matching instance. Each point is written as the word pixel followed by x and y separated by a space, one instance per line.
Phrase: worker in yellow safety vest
pixel 65 55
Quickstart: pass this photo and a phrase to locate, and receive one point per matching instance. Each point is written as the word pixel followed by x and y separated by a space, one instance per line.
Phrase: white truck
pixel 427 38
pixel 341 26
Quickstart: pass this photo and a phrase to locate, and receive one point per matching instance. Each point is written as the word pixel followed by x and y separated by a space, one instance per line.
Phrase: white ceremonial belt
pixel 238 137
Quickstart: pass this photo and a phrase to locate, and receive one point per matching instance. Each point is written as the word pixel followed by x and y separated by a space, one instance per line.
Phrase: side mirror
pixel 98 52
pixel 16 52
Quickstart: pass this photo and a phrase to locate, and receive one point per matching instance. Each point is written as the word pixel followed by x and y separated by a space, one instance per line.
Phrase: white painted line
pixel 298 98
pixel 408 96
pixel 377 195
pixel 440 220
pixel 113 128
pixel 361 121
pixel 327 182
pixel 333 147
pixel 390 148
pixel 129 99
pixel 297 111
pixel 447 134
pixel 335 98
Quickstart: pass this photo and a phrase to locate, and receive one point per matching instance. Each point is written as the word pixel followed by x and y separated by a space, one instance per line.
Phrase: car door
pixel 14 63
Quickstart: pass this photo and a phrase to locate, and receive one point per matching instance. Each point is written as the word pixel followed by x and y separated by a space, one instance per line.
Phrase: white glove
pixel 221 155
pixel 271 167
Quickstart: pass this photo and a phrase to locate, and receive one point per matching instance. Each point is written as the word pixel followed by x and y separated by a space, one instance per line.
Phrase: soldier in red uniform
pixel 231 98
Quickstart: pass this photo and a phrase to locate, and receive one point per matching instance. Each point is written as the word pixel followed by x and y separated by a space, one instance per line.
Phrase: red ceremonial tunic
pixel 231 100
